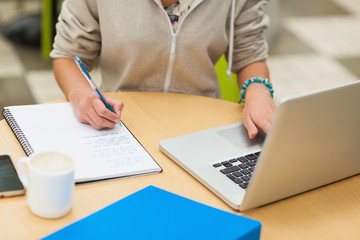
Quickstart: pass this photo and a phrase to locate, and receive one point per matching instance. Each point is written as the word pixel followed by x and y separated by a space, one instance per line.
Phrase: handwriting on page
pixel 116 149
pixel 97 154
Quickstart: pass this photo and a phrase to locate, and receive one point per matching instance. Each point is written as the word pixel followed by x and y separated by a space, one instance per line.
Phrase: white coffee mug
pixel 49 183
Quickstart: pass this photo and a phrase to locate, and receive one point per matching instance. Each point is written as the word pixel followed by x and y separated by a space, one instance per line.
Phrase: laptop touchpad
pixel 239 137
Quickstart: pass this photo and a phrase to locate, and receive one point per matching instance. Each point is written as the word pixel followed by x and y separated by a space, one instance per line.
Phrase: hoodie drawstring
pixel 231 40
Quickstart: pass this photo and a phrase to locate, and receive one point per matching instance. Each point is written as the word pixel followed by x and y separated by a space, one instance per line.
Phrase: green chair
pixel 229 90
pixel 48 20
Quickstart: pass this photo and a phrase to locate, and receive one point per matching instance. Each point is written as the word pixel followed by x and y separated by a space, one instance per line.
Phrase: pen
pixel 92 84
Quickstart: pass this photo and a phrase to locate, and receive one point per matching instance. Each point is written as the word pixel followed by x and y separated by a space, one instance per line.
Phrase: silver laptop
pixel 314 140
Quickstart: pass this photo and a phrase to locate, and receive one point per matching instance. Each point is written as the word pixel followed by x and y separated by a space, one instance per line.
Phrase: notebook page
pixel 98 154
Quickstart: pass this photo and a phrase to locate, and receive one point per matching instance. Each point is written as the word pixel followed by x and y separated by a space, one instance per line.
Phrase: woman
pixel 162 45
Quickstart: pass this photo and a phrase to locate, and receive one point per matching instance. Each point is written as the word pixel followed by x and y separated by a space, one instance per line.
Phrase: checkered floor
pixel 316 45
pixel 330 52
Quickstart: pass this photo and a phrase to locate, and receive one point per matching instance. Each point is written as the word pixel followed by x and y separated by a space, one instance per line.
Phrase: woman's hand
pixel 259 109
pixel 89 109
pixel 87 106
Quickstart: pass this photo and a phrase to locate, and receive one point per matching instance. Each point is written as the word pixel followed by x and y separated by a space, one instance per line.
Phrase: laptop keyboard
pixel 240 169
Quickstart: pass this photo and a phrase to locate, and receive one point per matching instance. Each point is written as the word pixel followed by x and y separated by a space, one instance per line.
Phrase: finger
pixel 105 113
pixel 87 118
pixel 250 126
pixel 97 120
pixel 92 123
pixel 265 122
pixel 266 126
pixel 116 105
pixel 84 117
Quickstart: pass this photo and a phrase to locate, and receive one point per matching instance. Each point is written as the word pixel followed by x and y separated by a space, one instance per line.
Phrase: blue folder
pixel 153 213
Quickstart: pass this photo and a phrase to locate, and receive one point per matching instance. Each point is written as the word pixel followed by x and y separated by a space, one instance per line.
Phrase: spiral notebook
pixel 98 155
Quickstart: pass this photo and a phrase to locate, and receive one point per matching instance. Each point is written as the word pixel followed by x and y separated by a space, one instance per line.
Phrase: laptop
pixel 314 140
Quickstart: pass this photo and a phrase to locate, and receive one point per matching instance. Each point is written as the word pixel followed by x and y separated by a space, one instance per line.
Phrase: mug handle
pixel 21 173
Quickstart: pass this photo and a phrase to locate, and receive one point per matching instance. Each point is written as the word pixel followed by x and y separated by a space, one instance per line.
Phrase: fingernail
pixel 252 134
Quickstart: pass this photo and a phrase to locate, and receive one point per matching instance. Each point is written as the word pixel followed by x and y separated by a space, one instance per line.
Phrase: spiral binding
pixel 17 131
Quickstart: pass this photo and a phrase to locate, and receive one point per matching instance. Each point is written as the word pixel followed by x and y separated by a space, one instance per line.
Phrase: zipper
pixel 174 36
pixel 171 61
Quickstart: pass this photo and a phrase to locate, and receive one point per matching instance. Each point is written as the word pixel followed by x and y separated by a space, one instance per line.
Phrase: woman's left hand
pixel 259 109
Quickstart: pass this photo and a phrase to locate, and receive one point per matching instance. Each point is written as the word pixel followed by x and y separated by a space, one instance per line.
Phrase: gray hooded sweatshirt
pixel 139 51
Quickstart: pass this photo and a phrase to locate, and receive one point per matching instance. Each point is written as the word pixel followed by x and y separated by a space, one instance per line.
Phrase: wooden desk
pixel 331 212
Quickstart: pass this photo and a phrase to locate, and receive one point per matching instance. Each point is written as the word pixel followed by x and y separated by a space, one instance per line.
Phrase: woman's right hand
pixel 89 109
pixel 87 105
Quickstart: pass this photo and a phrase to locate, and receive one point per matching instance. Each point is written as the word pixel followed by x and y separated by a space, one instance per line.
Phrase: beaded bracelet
pixel 264 81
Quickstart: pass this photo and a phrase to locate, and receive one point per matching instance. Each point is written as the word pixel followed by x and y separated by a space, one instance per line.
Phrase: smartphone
pixel 10 184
